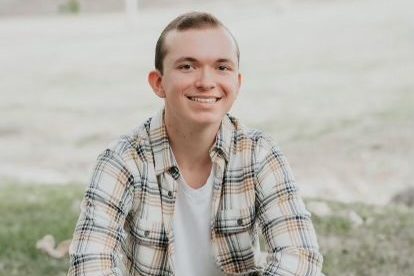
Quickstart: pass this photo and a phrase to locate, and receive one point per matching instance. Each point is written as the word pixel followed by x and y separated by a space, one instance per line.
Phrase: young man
pixel 187 192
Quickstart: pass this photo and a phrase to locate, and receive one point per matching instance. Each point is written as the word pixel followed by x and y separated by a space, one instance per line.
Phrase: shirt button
pixel 146 233
pixel 173 170
pixel 169 194
pixel 239 221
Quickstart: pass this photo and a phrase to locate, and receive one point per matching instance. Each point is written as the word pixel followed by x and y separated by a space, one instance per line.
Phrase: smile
pixel 208 100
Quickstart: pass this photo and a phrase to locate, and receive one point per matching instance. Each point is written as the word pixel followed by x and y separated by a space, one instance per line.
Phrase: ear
pixel 239 82
pixel 239 79
pixel 155 81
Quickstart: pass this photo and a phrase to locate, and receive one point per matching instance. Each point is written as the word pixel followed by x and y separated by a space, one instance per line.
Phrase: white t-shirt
pixel 193 249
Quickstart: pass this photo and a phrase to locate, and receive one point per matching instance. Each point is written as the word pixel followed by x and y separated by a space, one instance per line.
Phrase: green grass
pixel 383 245
pixel 27 214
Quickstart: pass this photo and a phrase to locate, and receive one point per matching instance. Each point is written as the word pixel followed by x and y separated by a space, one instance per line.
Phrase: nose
pixel 205 80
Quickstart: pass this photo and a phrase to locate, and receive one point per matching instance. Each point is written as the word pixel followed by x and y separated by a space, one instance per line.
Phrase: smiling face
pixel 200 79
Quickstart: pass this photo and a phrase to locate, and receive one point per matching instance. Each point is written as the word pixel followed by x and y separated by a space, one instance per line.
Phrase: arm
pixel 284 220
pixel 99 230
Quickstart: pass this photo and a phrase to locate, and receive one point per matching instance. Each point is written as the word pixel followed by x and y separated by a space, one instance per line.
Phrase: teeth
pixel 204 100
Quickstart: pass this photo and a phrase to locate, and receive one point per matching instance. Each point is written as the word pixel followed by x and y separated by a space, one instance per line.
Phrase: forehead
pixel 208 43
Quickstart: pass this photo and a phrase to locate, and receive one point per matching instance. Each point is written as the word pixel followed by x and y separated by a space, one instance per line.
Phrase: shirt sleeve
pixel 285 223
pixel 99 230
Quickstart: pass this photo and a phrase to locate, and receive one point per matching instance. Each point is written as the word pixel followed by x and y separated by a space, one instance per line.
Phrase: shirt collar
pixel 163 156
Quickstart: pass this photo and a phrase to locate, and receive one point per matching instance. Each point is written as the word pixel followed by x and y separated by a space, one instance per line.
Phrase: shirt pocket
pixel 150 233
pixel 149 247
pixel 230 221
pixel 234 237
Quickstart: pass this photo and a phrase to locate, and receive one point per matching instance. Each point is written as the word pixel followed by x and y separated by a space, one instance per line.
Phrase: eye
pixel 185 67
pixel 224 68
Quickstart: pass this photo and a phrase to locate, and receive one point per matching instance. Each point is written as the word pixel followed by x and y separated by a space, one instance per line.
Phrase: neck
pixel 190 144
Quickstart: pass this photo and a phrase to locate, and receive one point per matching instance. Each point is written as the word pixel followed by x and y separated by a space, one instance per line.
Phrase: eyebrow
pixel 191 59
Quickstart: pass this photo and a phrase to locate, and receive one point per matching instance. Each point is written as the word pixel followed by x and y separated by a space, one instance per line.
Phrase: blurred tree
pixel 71 6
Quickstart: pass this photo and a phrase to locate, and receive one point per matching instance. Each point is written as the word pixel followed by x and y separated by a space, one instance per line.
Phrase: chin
pixel 208 120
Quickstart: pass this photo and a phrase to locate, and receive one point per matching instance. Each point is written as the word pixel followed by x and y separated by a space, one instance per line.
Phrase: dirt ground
pixel 331 81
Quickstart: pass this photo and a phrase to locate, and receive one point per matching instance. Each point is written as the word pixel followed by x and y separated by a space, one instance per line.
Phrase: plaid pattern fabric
pixel 125 225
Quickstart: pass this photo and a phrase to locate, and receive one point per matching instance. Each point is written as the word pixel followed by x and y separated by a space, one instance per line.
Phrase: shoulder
pixel 132 145
pixel 244 135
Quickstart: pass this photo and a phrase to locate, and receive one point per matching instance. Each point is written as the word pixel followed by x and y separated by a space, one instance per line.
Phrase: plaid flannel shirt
pixel 125 225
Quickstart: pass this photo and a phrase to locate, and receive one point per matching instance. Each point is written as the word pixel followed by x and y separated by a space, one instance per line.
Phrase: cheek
pixel 232 88
pixel 177 82
pixel 230 81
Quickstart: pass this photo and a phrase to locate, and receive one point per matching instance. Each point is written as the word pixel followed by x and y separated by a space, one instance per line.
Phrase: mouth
pixel 206 100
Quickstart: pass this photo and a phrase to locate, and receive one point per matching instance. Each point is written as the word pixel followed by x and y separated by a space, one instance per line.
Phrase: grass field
pixel 382 245
pixel 27 214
